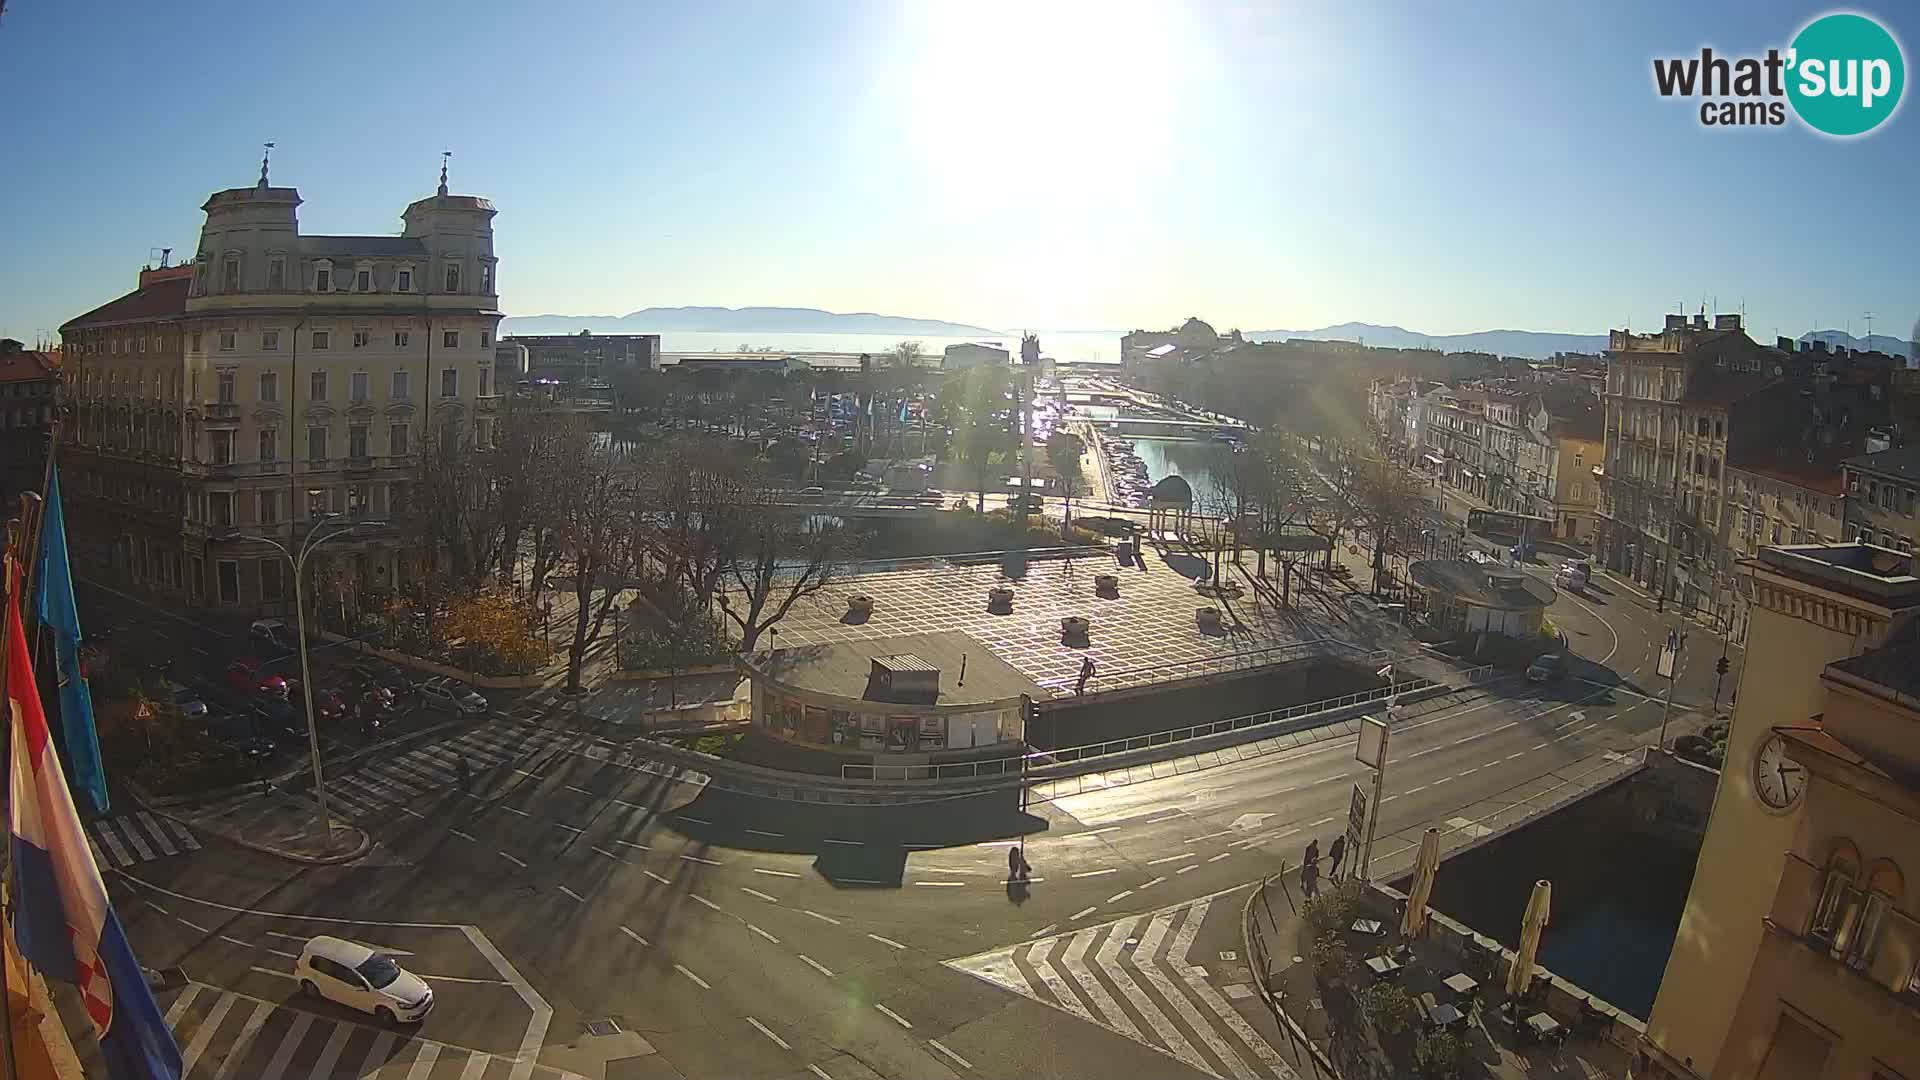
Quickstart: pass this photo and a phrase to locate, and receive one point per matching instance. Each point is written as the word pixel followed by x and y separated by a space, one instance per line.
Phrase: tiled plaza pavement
pixel 1150 624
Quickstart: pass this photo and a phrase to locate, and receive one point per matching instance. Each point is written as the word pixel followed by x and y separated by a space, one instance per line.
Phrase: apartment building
pixel 1798 955
pixel 276 378
pixel 29 395
pixel 1567 425
pixel 1883 497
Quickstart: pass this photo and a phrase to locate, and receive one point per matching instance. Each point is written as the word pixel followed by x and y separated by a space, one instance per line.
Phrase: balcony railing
pixel 220 410
pixel 230 469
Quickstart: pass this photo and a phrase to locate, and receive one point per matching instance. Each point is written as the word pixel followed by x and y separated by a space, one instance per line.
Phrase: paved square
pixel 1149 624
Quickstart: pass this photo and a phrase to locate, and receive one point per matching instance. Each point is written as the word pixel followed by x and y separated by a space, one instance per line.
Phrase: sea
pixel 1065 346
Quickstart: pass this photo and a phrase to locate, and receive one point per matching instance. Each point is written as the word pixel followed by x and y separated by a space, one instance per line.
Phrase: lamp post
pixel 298 559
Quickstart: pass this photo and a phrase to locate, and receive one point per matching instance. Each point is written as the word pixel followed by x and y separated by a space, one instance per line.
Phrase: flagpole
pixel 6 864
pixel 33 540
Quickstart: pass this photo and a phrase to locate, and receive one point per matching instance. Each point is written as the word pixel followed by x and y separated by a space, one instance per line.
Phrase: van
pixel 1574 575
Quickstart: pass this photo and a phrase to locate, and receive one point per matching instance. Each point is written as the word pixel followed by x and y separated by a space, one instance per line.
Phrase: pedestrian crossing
pixel 1133 977
pixel 129 839
pixel 224 1035
pixel 383 782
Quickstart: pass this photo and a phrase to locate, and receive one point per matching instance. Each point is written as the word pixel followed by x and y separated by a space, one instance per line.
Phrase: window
pixel 195 340
pixel 228 573
pixel 223 383
pixel 484 372
pixel 363 280
pixel 357 500
pixel 401 339
pixel 486 338
pixel 317 444
pixel 230 280
pixel 269 448
pixel 450 339
pixel 226 341
pixel 359 386
pixel 317 386
pixel 453 278
pixel 222 446
pixel 401 389
pixel 276 274
pixel 269 386
pixel 486 279
pixel 272 585
pixel 220 508
pixel 1887 497
pixel 1576 491
pixel 403 282
pixel 269 341
pixel 397 440
pixel 357 442
pixel 360 338
pixel 323 278
pixel 316 503
pixel 321 339
pixel 483 432
pixel 450 382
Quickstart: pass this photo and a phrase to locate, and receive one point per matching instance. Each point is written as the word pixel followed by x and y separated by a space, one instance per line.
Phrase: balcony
pixel 488 403
pixel 234 469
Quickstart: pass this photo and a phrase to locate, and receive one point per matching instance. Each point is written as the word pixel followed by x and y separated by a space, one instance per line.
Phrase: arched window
pixel 1839 894
pixel 1884 887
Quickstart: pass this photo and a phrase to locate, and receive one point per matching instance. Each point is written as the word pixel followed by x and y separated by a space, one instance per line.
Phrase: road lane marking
pixel 894 1016
pixel 605 852
pixel 1097 873
pixel 761 895
pixel 775 873
pixel 819 1072
pixel 277 952
pixel 695 820
pixel 697 898
pixel 1166 817
pixel 574 829
pixel 629 932
pixel 1222 855
pixel 156 907
pixel 656 877
pixel 578 788
pixel 886 941
pixel 230 939
pixel 284 936
pixel 463 835
pixel 193 925
pixel 515 810
pixel 1319 823
pixel 1470 772
pixel 1081 914
pixel 1119 896
pixel 848 843
pixel 962 1062
pixel 289 976
pixel 411 811
pixel 1173 858
pixel 513 860
pixel 631 844
pixel 697 980
pixel 573 894
pixel 816 965
pixel 1384 801
pixel 822 918
pixel 763 933
pixel 1152 883
pixel 1510 757
pixel 768 1032
pixel 763 832
pixel 939 884
pixel 703 862
pixel 1539 746
pixel 1091 832
pixel 1184 869
pixel 1415 790
pixel 1045 930
pixel 1209 836
pixel 1440 781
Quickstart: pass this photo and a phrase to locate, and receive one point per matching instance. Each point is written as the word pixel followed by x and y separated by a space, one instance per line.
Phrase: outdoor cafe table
pixel 1544 1026
pixel 1461 983
pixel 1383 965
pixel 1369 926
pixel 1445 1015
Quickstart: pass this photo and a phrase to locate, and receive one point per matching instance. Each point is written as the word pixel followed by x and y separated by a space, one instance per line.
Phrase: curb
pixel 358 851
pixel 1247 937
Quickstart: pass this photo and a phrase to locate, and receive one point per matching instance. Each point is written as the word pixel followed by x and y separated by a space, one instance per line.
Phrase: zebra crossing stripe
pixel 203 1034
pixel 103 831
pixel 180 1004
pixel 289 1043
pixel 330 1053
pixel 476 1067
pixel 377 1054
pixel 1150 943
pixel 424 1062
pixel 248 1032
pixel 1062 993
pixel 132 836
pixel 1212 999
pixel 158 834
pixel 1077 966
pixel 1169 1033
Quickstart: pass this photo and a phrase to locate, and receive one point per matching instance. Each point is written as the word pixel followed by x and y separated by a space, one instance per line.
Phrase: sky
pixel 1052 164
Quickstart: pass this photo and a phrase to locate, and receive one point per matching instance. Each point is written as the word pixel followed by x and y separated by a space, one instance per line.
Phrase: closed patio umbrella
pixel 1520 976
pixel 1425 868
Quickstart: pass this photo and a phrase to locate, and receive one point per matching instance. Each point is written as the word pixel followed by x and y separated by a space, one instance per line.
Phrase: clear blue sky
pixel 1446 167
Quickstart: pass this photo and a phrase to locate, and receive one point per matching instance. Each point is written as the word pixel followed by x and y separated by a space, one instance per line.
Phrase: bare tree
pixel 786 557
pixel 1392 504
pixel 596 535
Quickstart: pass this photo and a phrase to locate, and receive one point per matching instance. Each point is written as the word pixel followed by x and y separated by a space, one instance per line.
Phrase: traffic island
pixel 275 822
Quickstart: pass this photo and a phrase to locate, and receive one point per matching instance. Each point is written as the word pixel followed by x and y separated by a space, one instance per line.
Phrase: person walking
pixel 1016 864
pixel 466 774
pixel 1335 852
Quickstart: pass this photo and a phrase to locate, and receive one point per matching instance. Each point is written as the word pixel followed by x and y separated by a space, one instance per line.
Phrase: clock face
pixel 1777 778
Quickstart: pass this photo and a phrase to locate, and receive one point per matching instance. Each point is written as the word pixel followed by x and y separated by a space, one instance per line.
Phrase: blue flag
pixel 59 614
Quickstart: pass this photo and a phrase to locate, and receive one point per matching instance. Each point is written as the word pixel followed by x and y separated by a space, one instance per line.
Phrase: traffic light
pixel 1720 666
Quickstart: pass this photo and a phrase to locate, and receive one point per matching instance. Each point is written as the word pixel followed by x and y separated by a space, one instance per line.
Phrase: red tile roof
pixel 28 366
pixel 165 299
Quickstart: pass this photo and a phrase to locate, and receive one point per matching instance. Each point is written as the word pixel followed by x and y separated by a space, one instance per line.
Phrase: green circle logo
pixel 1845 74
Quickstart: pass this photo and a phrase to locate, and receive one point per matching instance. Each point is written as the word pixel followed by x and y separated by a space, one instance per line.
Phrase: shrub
pixel 1441 1055
pixel 493 636
pixel 1388 1006
pixel 1334 908
pixel 1333 963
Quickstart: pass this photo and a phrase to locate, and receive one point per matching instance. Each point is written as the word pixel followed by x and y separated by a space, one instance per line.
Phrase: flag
pixel 63 922
pixel 903 412
pixel 59 614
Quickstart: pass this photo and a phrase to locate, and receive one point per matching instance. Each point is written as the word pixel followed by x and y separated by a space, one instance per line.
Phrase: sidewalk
pixel 277 823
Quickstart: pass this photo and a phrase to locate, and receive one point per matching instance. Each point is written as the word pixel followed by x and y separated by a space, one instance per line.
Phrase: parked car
pixel 187 701
pixel 1574 575
pixel 1550 667
pixel 386 676
pixel 248 676
pixel 813 492
pixel 356 976
pixel 274 634
pixel 1030 503
pixel 453 695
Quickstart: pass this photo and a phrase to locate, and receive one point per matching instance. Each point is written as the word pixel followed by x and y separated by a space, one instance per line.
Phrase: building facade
pixel 29 400
pixel 1883 497
pixel 277 379
pixel 1796 955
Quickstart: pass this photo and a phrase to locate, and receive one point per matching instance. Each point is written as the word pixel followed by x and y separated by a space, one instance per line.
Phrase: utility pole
pixel 1669 666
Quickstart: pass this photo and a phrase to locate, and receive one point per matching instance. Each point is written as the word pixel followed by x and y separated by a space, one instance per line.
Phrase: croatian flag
pixel 62 920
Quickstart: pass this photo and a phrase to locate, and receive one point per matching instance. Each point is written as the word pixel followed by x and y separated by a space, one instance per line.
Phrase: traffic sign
pixel 1357 819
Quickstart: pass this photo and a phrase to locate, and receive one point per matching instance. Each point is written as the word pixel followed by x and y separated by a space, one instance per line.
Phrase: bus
pixel 1509 529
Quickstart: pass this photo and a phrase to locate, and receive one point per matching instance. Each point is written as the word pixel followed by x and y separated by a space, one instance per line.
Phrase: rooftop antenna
pixel 266 155
pixel 1869 318
pixel 445 157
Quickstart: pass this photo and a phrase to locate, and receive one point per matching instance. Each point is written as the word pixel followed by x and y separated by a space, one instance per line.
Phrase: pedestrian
pixel 1313 853
pixel 466 774
pixel 1310 878
pixel 1016 864
pixel 1335 852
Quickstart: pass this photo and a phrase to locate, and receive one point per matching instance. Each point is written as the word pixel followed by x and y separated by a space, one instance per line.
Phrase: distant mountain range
pixel 1872 342
pixel 1534 344
pixel 758 320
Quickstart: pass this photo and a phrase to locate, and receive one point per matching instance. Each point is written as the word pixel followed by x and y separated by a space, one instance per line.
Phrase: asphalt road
pixel 725 935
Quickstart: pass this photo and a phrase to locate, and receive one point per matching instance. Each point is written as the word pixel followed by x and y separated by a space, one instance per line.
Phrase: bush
pixel 1388 1006
pixel 651 646
pixel 1333 963
pixel 1441 1055
pixel 492 635
pixel 1334 908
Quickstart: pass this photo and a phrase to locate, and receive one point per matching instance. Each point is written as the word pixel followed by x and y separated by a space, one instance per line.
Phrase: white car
pixel 360 978
pixel 453 695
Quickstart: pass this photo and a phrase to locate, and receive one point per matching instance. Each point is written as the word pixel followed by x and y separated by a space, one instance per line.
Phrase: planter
pixel 1106 585
pixel 1208 618
pixel 1074 628
pixel 859 604
pixel 1000 598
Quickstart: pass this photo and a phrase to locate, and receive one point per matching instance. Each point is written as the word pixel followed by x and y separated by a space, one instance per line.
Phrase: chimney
pixel 1700 321
pixel 1784 344
pixel 1676 322
pixel 1726 322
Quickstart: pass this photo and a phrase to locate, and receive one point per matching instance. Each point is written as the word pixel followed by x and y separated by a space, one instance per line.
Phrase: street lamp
pixel 298 559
